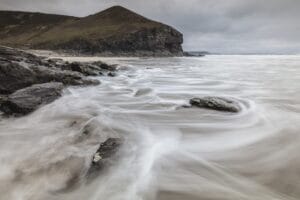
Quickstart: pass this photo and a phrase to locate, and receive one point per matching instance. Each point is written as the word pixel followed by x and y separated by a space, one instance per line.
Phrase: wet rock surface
pixel 21 71
pixel 216 103
pixel 104 154
pixel 13 77
pixel 90 69
pixel 106 150
pixel 30 98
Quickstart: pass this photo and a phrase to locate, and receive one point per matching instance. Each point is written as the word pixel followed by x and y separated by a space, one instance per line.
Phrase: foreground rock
pixel 104 155
pixel 13 76
pixel 106 150
pixel 29 99
pixel 216 103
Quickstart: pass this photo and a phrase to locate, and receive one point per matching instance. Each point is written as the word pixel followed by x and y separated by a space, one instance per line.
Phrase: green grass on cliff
pixel 21 29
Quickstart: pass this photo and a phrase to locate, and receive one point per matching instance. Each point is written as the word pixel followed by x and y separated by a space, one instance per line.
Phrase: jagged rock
pixel 3 99
pixel 67 77
pixel 29 99
pixel 111 74
pixel 216 103
pixel 13 76
pixel 106 150
pixel 85 69
pixel 104 155
pixel 19 69
pixel 20 72
pixel 105 66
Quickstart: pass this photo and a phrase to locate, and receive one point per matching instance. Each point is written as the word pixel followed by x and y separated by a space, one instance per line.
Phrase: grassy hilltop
pixel 115 30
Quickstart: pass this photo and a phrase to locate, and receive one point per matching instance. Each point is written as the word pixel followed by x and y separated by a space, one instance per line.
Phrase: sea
pixel 170 151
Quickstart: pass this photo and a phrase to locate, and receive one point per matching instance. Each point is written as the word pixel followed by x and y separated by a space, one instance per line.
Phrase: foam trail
pixel 170 152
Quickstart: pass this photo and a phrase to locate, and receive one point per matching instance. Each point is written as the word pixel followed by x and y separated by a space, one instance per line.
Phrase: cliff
pixel 115 31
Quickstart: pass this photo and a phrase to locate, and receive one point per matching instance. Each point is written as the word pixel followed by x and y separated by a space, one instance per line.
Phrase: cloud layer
pixel 223 26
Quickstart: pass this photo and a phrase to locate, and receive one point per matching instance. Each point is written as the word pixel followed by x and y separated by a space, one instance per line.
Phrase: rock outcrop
pixel 28 81
pixel 106 150
pixel 104 156
pixel 216 103
pixel 13 76
pixel 30 98
pixel 115 31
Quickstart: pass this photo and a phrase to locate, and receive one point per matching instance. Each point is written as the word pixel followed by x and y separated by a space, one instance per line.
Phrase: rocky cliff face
pixel 163 41
pixel 115 31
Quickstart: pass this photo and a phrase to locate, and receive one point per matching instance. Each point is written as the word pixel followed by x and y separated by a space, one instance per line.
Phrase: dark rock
pixel 216 103
pixel 13 76
pixel 67 77
pixel 105 153
pixel 27 79
pixel 92 69
pixel 111 74
pixel 84 68
pixel 194 54
pixel 19 69
pixel 29 99
pixel 157 41
pixel 106 150
pixel 104 157
pixel 3 99
pixel 105 66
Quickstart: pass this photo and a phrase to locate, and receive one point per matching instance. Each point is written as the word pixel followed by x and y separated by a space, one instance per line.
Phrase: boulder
pixel 104 154
pixel 14 76
pixel 106 150
pixel 111 74
pixel 29 99
pixel 216 103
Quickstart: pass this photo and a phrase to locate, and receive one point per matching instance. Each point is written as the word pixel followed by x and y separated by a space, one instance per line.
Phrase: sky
pixel 217 26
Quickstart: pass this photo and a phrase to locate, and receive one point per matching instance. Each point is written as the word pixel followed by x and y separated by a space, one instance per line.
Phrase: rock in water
pixel 103 155
pixel 106 150
pixel 216 103
pixel 28 99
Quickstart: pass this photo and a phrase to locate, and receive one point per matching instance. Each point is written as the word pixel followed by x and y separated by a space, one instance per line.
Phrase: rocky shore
pixel 29 81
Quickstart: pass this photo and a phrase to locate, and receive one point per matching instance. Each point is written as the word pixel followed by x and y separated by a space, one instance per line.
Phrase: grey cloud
pixel 225 26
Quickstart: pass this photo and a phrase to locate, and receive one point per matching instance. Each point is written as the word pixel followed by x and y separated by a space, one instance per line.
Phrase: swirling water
pixel 169 152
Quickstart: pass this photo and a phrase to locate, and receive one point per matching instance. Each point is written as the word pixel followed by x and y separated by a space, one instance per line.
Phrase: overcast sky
pixel 221 26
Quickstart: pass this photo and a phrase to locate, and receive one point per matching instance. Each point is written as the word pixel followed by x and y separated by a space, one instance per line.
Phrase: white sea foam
pixel 169 152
